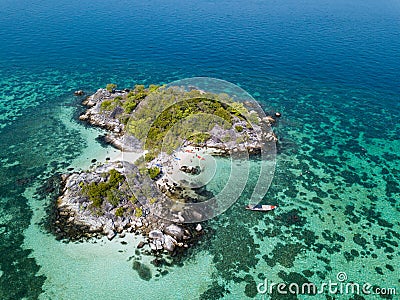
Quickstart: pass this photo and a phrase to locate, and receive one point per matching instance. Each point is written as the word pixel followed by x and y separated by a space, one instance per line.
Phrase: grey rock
pixel 79 93
pixel 156 234
pixel 199 228
pixel 159 244
pixel 169 243
pixel 180 218
pixel 108 207
pixel 175 231
pixel 109 228
pixel 153 247
pixel 124 223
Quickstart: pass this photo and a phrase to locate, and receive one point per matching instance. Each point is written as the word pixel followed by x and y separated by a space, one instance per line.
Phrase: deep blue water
pixel 331 67
pixel 347 42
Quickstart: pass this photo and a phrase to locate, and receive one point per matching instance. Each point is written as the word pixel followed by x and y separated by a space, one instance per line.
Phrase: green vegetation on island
pixel 154 172
pixel 98 192
pixel 200 137
pixel 128 102
pixel 110 87
pixel 165 118
pixel 171 115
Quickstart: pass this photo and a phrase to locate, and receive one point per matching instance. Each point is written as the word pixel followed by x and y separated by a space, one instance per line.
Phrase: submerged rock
pixel 199 228
pixel 143 271
pixel 109 230
pixel 169 243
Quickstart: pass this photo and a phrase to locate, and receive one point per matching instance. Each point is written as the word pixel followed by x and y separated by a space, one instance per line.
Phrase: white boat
pixel 261 207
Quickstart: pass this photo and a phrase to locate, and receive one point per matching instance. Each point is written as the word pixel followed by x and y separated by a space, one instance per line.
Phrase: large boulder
pixel 156 234
pixel 153 247
pixel 110 235
pixel 193 170
pixel 94 224
pixel 159 244
pixel 108 230
pixel 79 93
pixel 174 231
pixel 169 243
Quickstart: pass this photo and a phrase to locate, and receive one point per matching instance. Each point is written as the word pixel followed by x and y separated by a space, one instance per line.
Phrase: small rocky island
pixel 176 132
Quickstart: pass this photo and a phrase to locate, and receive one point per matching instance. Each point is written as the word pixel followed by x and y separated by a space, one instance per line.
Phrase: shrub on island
pixel 138 212
pixel 239 128
pixel 119 212
pixel 154 172
pixel 97 192
pixel 200 137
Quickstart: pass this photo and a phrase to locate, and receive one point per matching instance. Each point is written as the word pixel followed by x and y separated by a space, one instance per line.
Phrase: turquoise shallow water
pixel 330 68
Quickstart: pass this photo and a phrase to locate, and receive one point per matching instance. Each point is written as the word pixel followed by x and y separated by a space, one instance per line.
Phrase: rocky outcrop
pixel 172 236
pixel 239 138
pixel 76 219
pixel 193 170
pixel 175 231
pixel 109 119
pixel 96 116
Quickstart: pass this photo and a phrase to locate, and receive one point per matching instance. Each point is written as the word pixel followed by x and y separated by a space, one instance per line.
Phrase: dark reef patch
pixel 358 239
pixel 216 291
pixel 233 251
pixel 285 255
pixel 292 217
pixel 332 237
pixel 143 270
pixel 389 267
pixel 251 289
pixel 379 270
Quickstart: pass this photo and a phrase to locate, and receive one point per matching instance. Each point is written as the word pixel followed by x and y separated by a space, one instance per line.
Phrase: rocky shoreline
pixel 99 202
pixel 111 121
pixel 75 218
pixel 95 117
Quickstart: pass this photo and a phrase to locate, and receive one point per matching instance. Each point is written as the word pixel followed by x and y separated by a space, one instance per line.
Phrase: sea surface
pixel 330 67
